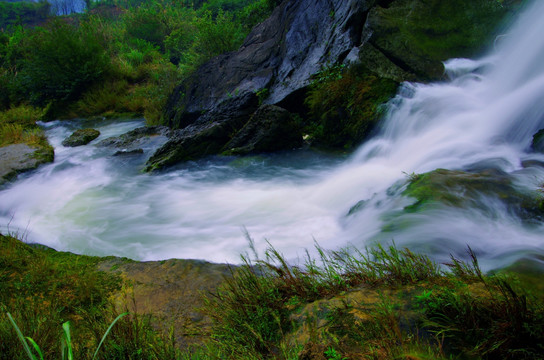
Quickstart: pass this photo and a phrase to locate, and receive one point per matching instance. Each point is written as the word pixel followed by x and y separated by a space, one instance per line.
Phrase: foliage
pixel 384 303
pixel 120 58
pixel 18 125
pixel 250 311
pixel 61 62
pixel 19 13
pixel 67 348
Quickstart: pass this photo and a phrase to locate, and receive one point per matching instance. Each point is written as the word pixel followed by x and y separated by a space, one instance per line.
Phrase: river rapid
pixel 90 202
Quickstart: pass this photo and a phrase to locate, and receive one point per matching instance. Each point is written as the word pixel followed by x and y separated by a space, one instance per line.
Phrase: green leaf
pixel 22 338
pixel 107 332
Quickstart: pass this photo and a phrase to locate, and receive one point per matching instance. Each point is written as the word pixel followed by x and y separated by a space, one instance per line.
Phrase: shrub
pixel 62 61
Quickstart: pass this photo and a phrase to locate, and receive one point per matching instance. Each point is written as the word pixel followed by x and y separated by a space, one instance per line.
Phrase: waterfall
pixel 483 117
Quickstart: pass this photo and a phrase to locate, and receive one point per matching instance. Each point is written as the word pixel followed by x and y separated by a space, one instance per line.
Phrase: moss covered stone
pixel 466 190
pixel 417 35
pixel 81 137
pixel 346 106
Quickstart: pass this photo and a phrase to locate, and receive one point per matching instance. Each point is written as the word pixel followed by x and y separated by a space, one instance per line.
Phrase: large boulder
pixel 271 128
pixel 280 55
pixel 17 158
pixel 391 40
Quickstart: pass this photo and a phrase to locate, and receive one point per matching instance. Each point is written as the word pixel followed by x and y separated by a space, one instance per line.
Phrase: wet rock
pixel 136 137
pixel 470 190
pixel 538 141
pixel 409 39
pixel 17 158
pixel 208 135
pixel 129 152
pixel 81 137
pixel 271 128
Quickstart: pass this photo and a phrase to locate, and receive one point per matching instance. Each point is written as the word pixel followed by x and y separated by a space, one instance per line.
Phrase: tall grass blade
pixel 107 332
pixel 21 338
pixel 67 342
pixel 35 346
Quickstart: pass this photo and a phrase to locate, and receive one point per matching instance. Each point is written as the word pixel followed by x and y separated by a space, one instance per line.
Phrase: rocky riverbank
pixel 18 158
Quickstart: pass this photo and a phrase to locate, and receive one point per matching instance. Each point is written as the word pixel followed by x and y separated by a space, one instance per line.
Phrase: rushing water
pixel 90 202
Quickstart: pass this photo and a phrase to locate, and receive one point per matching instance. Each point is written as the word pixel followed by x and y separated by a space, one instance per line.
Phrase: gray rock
pixel 135 137
pixel 280 55
pixel 18 158
pixel 208 135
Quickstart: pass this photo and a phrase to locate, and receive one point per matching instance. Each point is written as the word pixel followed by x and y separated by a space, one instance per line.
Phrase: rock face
pixel 270 128
pixel 397 40
pixel 280 55
pixel 81 137
pixel 18 158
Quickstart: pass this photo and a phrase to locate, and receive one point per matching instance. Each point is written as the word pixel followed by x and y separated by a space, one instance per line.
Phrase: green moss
pixel 81 137
pixel 444 29
pixel 345 106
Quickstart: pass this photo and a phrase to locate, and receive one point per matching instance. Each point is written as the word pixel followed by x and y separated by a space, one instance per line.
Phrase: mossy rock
pixel 465 190
pixel 417 35
pixel 346 107
pixel 18 158
pixel 81 137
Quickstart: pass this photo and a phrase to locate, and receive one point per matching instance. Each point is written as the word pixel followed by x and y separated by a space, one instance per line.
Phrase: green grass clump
pixel 43 289
pixel 384 303
pixel 18 125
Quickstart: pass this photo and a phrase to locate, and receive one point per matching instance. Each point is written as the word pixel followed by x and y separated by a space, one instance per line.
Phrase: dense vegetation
pixel 382 303
pixel 117 58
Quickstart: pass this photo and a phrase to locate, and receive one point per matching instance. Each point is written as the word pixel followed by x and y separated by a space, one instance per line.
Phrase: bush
pixel 62 61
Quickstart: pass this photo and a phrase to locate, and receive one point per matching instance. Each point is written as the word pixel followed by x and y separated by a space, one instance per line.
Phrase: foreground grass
pixel 384 303
pixel 43 289
pixel 381 303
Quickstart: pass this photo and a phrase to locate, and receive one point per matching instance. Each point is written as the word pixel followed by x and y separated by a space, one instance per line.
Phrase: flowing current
pixel 90 202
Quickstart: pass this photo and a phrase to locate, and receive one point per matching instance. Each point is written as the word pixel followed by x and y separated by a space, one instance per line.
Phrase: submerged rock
pixel 81 137
pixel 17 158
pixel 129 152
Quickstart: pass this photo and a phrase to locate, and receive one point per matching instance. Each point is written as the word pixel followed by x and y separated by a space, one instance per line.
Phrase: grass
pixel 383 303
pixel 380 303
pixel 42 289
pixel 18 125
